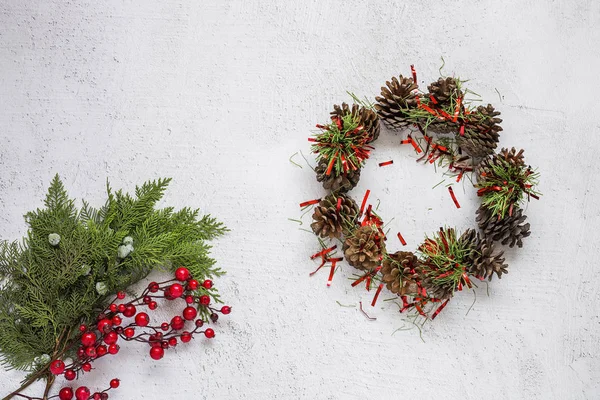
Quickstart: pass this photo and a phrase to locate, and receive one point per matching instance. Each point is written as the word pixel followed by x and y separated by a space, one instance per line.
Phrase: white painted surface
pixel 219 94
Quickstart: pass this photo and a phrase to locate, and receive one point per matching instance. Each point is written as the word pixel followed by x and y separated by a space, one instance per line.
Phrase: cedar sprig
pixel 342 143
pixel 505 186
pixel 49 287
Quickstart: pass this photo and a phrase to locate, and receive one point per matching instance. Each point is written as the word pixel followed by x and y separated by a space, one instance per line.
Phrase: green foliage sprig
pixel 73 260
pixel 343 142
pixel 507 186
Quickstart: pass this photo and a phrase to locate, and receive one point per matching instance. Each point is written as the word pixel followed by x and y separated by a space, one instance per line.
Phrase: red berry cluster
pixel 101 339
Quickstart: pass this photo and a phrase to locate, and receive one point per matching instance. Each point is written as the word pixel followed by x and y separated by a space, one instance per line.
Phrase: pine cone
pixel 395 100
pixel 398 272
pixel 337 183
pixel 481 132
pixel 367 118
pixel 503 159
pixel 484 263
pixel 329 222
pixel 436 290
pixel 444 91
pixel 365 248
pixel 510 230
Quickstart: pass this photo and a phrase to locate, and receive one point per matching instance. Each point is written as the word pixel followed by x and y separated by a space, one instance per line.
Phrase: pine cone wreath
pixel 509 230
pixel 337 183
pixel 399 272
pixel 364 249
pixel 485 262
pixel 444 91
pixel 398 97
pixel 481 132
pixel 333 222
pixel 367 118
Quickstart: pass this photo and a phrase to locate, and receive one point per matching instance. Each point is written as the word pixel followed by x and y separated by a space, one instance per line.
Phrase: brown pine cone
pixel 367 118
pixel 399 272
pixel 337 183
pixel 509 230
pixel 481 132
pixel 395 100
pixel 331 222
pixel 364 249
pixel 444 91
pixel 503 159
pixel 485 262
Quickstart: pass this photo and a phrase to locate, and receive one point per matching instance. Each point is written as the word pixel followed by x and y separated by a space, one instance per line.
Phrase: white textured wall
pixel 219 94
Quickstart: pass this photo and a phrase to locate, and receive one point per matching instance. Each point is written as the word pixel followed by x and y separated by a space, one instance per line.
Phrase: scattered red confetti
pixel 364 202
pixel 440 308
pixel 453 197
pixel 383 164
pixel 377 294
pixel 459 176
pixel 339 204
pixel 414 73
pixel 323 252
pixel 310 202
pixel 401 239
pixel 333 262
pixel 415 145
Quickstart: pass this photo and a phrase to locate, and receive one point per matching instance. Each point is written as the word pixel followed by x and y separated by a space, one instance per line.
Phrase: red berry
pixel 164 344
pixel 97 396
pixel 121 308
pixel 113 308
pixel 88 339
pixel 57 367
pixel 209 333
pixel 182 274
pixel 214 317
pixel 65 393
pixel 129 332
pixel 70 375
pixel 113 349
pixel 153 287
pixel 129 310
pixel 87 367
pixel 186 337
pixel 175 290
pixel 173 342
pixel 164 326
pixel 101 350
pixel 114 383
pixel 81 352
pixel 225 310
pixel 116 320
pixel 152 305
pixel 192 284
pixel 189 313
pixel 90 352
pixel 204 300
pixel 207 284
pixel 82 328
pixel 82 393
pixel 147 299
pixel 157 353
pixel 199 323
pixel 111 337
pixel 142 319
pixel 177 323
pixel 104 323
pixel 189 299
pixel 121 295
